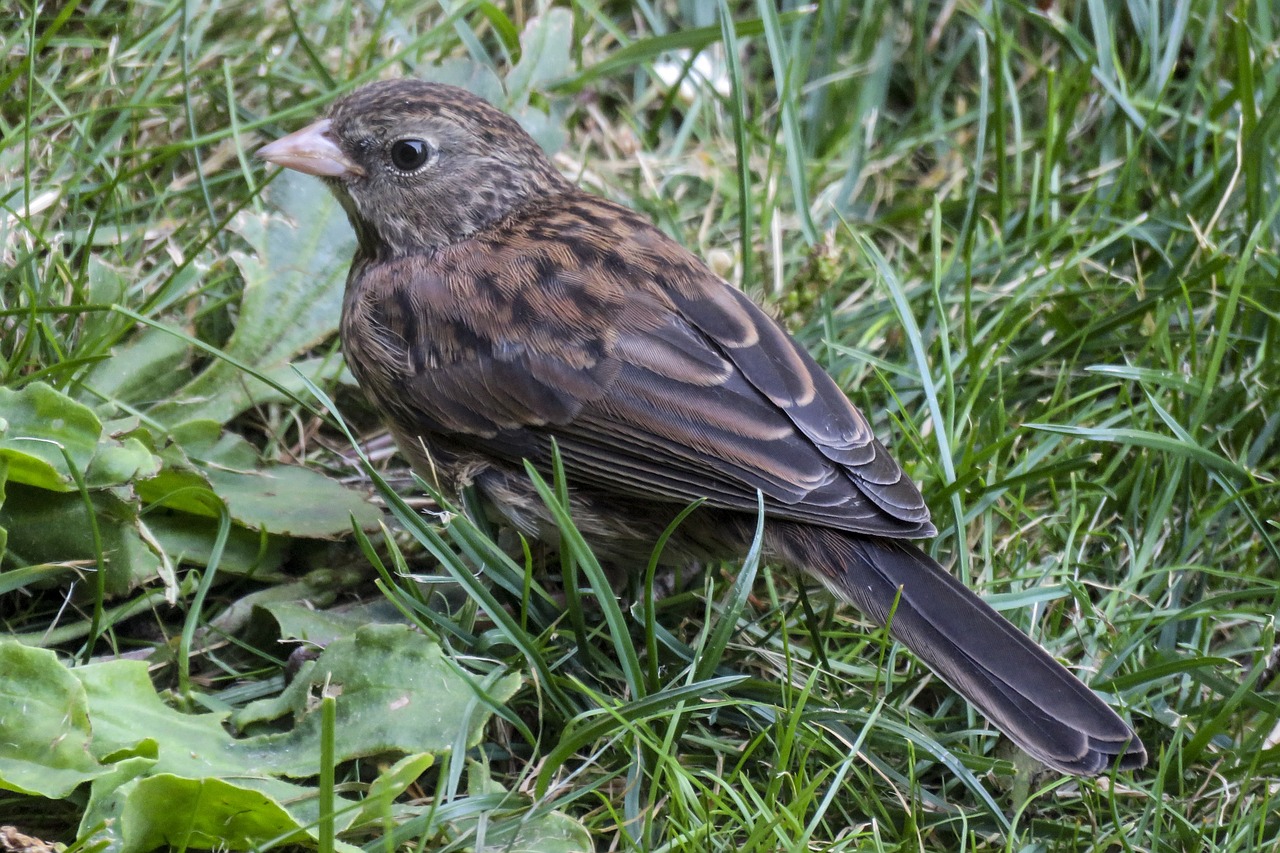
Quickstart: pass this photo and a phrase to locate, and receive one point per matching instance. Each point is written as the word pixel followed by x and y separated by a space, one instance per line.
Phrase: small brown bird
pixel 492 307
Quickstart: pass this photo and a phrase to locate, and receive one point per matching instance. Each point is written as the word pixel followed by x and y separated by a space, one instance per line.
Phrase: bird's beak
pixel 311 150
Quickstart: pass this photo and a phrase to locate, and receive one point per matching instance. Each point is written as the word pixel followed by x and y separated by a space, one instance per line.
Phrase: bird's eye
pixel 408 155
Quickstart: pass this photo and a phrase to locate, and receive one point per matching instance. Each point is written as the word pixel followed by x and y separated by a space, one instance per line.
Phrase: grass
pixel 1038 247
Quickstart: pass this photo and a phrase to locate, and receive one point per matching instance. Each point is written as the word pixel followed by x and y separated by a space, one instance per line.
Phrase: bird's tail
pixel 1021 689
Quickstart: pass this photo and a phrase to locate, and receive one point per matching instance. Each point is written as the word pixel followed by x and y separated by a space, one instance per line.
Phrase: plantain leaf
pixel 294 273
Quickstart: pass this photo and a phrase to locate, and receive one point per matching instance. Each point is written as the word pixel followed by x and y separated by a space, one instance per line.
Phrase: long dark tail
pixel 1021 689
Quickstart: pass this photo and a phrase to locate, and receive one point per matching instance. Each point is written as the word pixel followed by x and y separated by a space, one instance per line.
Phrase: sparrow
pixel 494 310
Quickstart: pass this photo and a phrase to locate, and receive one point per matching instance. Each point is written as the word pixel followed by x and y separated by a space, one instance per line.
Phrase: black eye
pixel 409 154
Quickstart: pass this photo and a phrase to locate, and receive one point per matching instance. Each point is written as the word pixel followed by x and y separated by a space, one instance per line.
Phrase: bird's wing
pixel 653 375
pixel 691 414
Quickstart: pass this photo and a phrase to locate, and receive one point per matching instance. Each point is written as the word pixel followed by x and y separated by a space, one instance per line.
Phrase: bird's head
pixel 419 165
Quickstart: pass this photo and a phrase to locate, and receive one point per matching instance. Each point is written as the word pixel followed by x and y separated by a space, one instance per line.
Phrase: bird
pixel 495 314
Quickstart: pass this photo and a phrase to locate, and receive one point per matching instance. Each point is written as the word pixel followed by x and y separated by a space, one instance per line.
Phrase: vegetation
pixel 1037 245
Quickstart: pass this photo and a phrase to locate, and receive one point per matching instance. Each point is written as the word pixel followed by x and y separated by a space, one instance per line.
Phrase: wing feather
pixel 656 378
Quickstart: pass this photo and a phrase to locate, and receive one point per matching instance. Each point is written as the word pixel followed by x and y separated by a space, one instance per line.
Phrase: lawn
pixel 1037 246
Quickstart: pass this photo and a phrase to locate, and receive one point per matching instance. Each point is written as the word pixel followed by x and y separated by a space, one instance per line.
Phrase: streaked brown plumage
pixel 493 307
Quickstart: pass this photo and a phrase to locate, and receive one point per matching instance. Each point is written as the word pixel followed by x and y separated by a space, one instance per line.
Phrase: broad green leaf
pixel 242 390
pixel 44 725
pixel 545 52
pixel 468 74
pixel 108 796
pixel 294 276
pixel 287 500
pixel 42 422
pixel 205 441
pixel 545 56
pixel 283 500
pixel 189 539
pixel 129 722
pixel 481 781
pixel 309 594
pixel 106 284
pixel 547 129
pixel 128 717
pixel 118 462
pixel 208 813
pixel 146 370
pixel 161 777
pixel 299 619
pixel 54 527
pixel 180 486
pixel 390 784
pixel 414 700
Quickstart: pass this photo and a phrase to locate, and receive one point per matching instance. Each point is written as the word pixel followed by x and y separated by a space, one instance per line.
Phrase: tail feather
pixel 1017 685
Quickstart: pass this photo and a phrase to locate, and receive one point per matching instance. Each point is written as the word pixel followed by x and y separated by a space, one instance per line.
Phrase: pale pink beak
pixel 311 150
